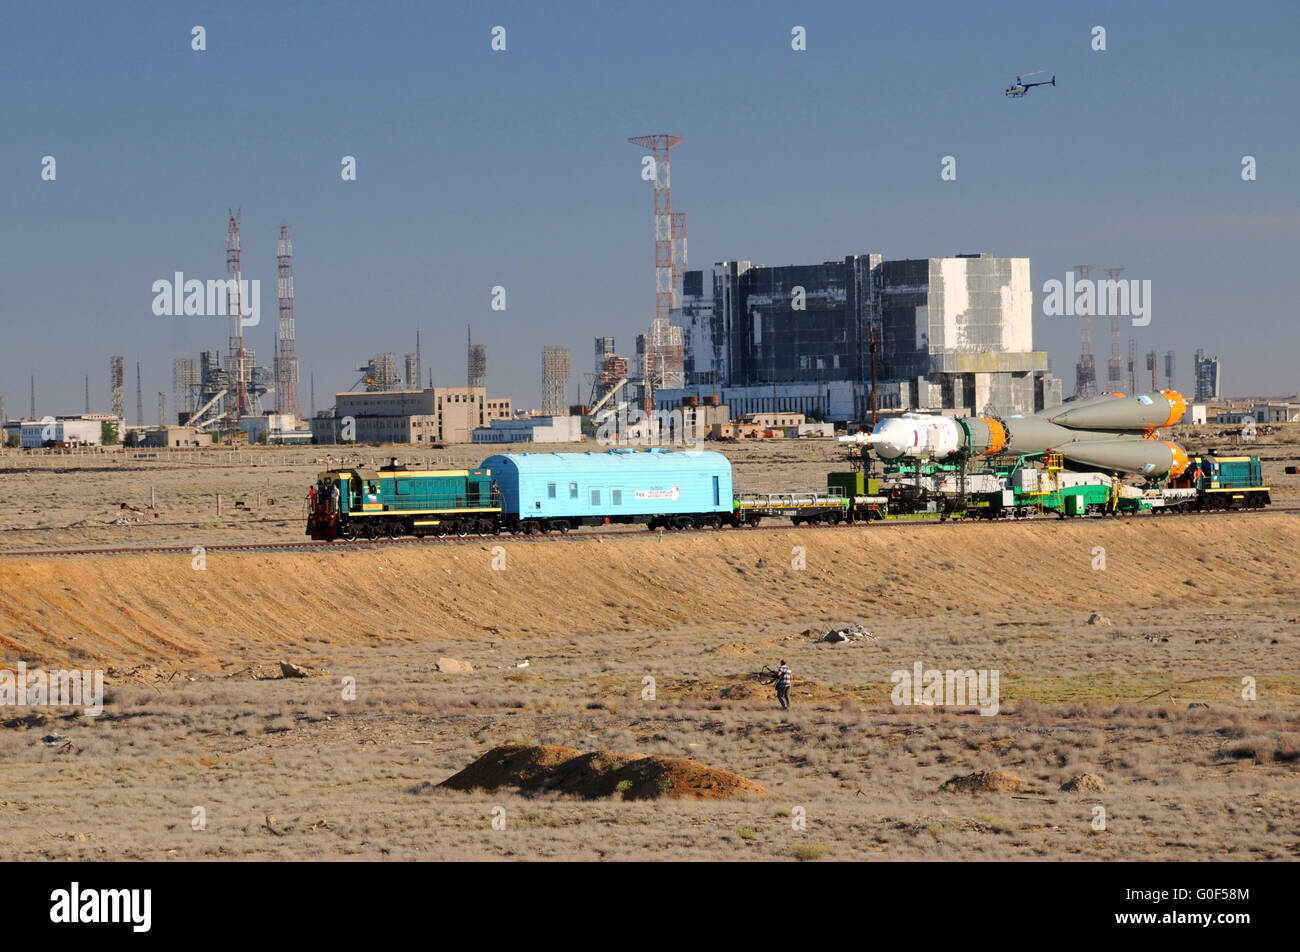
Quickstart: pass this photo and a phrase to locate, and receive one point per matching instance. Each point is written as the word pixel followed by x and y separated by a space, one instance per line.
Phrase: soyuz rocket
pixel 1112 432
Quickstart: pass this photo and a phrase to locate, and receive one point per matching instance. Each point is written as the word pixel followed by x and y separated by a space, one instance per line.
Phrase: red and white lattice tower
pixel 663 354
pixel 286 358
pixel 237 404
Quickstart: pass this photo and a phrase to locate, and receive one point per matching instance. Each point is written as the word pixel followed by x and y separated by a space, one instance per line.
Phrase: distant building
pixel 1207 377
pixel 61 432
pixel 555 380
pixel 774 420
pixel 770 426
pixel 275 428
pixel 1276 411
pixel 431 415
pixel 563 429
pixel 951 333
pixel 174 437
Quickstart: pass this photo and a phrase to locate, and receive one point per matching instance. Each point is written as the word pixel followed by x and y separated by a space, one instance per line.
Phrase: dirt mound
pixel 1084 783
pixel 985 781
pixel 599 774
pixel 734 648
pixel 510 765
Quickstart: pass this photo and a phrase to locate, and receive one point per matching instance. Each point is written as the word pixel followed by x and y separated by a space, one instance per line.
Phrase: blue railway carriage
pixel 659 487
pixel 396 501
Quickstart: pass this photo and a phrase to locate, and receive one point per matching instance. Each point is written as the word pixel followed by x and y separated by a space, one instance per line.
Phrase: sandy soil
pixel 199 724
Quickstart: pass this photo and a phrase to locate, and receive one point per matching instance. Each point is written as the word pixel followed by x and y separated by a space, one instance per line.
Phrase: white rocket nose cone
pixel 886 444
pixel 886 450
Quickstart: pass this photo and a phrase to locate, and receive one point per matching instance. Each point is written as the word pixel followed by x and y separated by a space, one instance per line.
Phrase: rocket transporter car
pixel 1113 432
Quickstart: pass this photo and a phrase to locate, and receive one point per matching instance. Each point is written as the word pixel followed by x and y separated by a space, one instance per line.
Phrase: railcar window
pixel 550 490
pixel 573 490
pixel 595 497
pixel 616 496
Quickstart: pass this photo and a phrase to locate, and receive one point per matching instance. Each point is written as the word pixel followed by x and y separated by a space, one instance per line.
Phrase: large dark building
pixel 952 333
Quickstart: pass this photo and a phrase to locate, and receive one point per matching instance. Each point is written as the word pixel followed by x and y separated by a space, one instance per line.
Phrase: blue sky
pixel 478 169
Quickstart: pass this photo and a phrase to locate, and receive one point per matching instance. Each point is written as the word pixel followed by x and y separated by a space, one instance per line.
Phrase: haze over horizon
pixel 478 168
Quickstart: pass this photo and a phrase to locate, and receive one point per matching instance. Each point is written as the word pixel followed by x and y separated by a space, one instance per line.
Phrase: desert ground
pixel 1161 689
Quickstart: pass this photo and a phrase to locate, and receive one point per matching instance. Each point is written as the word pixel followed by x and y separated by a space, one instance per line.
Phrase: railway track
pixel 576 536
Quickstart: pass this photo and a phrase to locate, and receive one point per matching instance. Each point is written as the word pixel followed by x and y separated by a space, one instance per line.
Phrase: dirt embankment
pixel 248 607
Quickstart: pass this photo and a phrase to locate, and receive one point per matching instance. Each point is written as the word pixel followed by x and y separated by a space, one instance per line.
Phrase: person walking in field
pixel 784 678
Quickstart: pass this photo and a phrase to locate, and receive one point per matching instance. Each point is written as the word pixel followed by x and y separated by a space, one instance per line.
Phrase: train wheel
pixel 462 530
pixel 393 531
pixel 563 527
pixel 348 535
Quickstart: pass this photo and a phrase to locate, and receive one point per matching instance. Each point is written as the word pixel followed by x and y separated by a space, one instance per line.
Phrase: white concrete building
pixel 561 429
pixel 1277 412
pixel 66 432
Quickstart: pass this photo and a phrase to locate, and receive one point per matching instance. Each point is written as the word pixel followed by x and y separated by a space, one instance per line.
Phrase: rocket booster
pixel 1112 432
pixel 1149 411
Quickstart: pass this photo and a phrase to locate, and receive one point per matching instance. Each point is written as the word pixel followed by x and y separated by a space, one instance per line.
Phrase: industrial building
pixel 1277 411
pixel 562 429
pixel 555 380
pixel 174 437
pixel 430 415
pixel 72 431
pixel 274 428
pixel 1208 381
pixel 950 334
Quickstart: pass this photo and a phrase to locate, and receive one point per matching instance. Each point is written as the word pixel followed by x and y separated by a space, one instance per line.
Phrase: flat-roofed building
pixel 430 415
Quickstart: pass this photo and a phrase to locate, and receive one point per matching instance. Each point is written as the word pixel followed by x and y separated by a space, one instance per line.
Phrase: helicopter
pixel 1019 87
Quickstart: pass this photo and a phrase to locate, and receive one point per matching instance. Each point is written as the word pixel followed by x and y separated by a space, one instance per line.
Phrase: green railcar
pixel 395 501
pixel 1226 482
